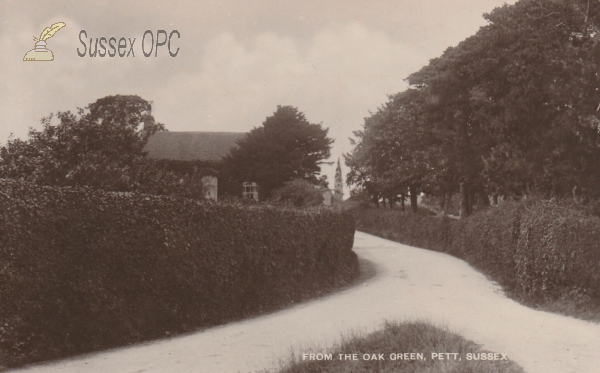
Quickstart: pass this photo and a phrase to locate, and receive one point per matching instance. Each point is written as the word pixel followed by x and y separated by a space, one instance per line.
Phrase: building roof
pixel 188 146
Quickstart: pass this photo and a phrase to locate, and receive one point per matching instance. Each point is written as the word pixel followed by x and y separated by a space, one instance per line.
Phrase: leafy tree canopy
pixel 511 110
pixel 389 158
pixel 94 147
pixel 520 98
pixel 284 148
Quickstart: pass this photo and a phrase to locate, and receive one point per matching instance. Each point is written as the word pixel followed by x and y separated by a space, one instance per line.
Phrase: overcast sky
pixel 333 60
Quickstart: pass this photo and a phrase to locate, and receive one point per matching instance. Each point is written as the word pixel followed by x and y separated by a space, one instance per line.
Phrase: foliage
pixel 525 90
pixel 284 148
pixel 390 158
pixel 97 147
pixel 300 193
pixel 102 147
pixel 512 110
pixel 539 251
pixel 84 269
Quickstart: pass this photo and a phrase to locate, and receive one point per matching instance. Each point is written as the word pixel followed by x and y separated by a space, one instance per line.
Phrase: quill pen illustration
pixel 50 31
pixel 40 52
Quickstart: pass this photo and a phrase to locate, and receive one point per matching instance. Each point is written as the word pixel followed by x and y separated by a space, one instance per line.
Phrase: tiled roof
pixel 187 146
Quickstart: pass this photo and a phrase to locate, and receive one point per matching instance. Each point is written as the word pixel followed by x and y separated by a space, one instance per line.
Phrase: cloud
pixel 35 89
pixel 336 78
pixel 335 61
pixel 238 83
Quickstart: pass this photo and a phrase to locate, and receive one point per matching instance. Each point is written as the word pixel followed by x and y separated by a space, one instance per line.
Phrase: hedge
pixel 538 250
pixel 83 269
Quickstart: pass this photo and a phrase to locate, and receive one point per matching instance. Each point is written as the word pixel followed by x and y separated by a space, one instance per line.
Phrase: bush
pixel 300 193
pixel 86 269
pixel 540 251
pixel 558 251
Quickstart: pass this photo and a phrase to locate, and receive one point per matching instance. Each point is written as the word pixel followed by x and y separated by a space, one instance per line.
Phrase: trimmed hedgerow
pixel 84 269
pixel 540 251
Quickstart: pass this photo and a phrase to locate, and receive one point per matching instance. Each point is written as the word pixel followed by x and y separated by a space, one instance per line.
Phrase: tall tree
pixel 512 109
pixel 517 103
pixel 389 160
pixel 94 147
pixel 284 148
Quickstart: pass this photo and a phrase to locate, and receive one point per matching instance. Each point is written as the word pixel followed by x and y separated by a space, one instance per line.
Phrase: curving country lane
pixel 408 283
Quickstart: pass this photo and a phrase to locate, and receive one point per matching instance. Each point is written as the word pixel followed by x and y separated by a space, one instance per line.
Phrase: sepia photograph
pixel 310 186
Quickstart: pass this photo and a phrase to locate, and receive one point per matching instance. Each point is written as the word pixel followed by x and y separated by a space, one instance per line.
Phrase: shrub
pixel 299 192
pixel 558 251
pixel 540 251
pixel 85 269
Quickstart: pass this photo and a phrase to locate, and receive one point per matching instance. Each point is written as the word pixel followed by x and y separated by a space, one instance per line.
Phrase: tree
pixel 95 147
pixel 512 110
pixel 284 148
pixel 516 104
pixel 390 160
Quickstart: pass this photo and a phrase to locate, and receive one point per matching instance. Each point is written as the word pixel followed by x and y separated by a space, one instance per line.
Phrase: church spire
pixel 339 184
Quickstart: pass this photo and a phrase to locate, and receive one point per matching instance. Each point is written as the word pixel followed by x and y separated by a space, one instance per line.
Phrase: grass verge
pixel 407 347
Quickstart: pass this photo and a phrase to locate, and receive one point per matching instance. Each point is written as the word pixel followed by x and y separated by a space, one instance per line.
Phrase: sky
pixel 335 60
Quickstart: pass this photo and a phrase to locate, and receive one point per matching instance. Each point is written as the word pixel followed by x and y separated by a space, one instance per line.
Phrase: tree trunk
pixel 413 198
pixel 403 197
pixel 464 200
pixel 495 199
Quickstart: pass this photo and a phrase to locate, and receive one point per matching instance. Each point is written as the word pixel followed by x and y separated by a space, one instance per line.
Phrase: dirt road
pixel 409 283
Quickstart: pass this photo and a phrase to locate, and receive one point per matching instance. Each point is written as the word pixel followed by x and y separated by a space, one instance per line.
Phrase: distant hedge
pixel 538 250
pixel 82 270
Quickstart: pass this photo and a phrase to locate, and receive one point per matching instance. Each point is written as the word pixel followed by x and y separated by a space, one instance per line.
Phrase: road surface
pixel 408 284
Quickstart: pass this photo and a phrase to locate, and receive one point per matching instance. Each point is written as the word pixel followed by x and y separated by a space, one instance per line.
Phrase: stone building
pixel 213 146
pixel 189 146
